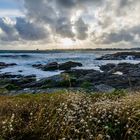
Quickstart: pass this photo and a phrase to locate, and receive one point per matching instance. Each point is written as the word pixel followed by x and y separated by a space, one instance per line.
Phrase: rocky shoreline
pixel 121 56
pixel 111 77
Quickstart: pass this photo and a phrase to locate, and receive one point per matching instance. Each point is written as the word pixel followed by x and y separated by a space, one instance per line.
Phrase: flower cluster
pixel 71 116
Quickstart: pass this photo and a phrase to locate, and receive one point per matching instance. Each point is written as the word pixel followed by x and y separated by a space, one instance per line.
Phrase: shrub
pixel 70 115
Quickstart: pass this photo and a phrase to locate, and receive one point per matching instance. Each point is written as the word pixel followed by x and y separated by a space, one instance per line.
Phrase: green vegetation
pixel 86 85
pixel 68 115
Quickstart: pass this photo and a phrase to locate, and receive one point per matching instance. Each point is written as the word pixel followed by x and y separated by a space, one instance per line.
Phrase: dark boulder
pixel 68 65
pixel 51 66
pixel 4 65
pixel 107 67
pixel 55 66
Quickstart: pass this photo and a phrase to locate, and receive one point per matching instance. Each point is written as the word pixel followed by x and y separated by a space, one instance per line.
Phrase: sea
pixel 25 60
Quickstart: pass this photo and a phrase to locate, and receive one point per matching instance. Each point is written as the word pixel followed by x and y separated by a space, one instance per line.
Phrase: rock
pixel 104 88
pixel 79 72
pixel 69 65
pixel 117 81
pixel 107 67
pixel 16 56
pixel 123 68
pixel 10 87
pixel 4 65
pixel 51 66
pixel 55 66
pixel 104 81
pixel 10 76
pixel 10 81
pixel 12 64
pixel 121 56
pixel 94 76
pixel 45 82
pixel 39 66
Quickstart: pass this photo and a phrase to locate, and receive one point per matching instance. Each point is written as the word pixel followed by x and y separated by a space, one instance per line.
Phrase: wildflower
pixel 3 122
pixel 31 114
pixel 100 136
pixel 129 132
pixel 127 126
pixel 87 130
pixel 107 136
pixel 82 120
pixel 106 127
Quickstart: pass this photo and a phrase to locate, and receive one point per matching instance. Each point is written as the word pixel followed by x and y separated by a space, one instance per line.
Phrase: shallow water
pixel 25 61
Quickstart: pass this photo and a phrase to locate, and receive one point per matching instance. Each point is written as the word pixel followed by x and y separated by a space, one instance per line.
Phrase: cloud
pixel 81 29
pixel 11 13
pixel 98 21
pixel 8 32
pixel 29 31
pixel 57 15
pixel 63 28
pixel 20 29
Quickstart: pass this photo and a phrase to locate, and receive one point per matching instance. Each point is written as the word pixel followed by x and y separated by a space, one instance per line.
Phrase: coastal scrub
pixel 70 115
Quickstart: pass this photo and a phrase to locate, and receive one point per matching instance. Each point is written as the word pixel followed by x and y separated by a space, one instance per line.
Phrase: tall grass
pixel 70 116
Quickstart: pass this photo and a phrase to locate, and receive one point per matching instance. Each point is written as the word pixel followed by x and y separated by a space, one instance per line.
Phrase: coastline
pixel 108 78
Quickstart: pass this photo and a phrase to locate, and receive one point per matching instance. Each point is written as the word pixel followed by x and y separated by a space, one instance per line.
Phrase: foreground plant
pixel 70 116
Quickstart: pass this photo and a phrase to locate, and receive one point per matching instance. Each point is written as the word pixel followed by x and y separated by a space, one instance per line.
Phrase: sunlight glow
pixel 66 42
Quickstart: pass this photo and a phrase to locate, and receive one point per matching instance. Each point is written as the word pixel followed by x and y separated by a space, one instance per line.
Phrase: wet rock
pixel 80 72
pixel 51 66
pixel 10 76
pixel 104 81
pixel 107 67
pixel 16 56
pixel 55 66
pixel 4 65
pixel 69 65
pixel 121 56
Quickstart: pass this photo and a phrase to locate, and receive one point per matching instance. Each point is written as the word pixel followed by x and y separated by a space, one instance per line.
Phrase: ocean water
pixel 25 61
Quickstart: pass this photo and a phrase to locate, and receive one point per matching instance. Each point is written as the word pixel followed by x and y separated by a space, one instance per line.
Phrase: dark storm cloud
pixel 127 35
pixel 29 31
pixel 67 3
pixel 9 33
pixel 64 28
pixel 73 3
pixel 81 29
pixel 57 15
pixel 21 30
pixel 117 37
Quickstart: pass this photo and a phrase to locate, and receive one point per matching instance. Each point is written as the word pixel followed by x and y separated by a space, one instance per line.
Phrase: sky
pixel 69 24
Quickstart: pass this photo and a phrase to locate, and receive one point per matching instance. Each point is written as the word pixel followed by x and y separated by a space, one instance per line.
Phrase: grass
pixel 68 115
